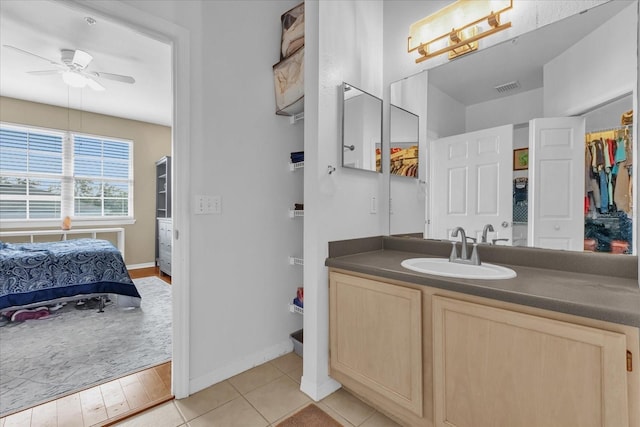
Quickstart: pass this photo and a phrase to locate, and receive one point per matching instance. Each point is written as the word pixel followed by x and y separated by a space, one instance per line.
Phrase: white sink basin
pixel 442 267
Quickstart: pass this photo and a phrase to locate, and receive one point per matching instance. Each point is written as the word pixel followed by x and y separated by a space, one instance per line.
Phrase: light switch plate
pixel 198 205
pixel 215 204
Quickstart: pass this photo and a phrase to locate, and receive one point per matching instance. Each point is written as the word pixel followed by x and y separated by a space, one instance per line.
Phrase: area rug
pixel 72 349
pixel 310 416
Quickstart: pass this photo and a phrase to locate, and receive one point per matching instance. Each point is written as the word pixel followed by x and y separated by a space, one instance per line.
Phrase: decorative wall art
pixel 521 159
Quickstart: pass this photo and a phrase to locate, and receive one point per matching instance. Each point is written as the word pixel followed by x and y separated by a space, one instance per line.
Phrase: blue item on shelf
pixel 297 156
pixel 296 301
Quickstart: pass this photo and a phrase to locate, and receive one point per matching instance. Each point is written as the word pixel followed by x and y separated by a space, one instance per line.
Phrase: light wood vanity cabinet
pixel 430 357
pixel 496 367
pixel 376 338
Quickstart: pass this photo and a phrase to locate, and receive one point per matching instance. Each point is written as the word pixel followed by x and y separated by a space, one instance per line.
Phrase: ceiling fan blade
pixel 17 49
pixel 44 72
pixel 116 77
pixel 94 85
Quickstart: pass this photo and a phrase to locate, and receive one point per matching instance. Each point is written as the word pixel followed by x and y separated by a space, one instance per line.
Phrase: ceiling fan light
pixel 74 79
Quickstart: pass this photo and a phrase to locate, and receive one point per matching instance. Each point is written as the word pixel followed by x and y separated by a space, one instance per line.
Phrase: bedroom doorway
pixel 178 38
pixel 147 25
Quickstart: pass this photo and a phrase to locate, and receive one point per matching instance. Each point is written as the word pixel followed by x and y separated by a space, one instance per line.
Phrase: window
pixel 48 174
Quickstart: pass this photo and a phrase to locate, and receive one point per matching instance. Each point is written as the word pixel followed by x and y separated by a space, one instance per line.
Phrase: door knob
pixel 504 224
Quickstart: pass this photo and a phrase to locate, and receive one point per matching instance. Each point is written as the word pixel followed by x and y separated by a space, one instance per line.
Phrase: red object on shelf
pixel 590 244
pixel 619 246
pixel 300 294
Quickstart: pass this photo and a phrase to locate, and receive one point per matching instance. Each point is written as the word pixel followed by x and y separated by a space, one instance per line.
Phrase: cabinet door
pixel 376 337
pixel 495 367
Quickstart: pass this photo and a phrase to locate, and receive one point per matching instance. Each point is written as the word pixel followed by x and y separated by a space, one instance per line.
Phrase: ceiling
pixel 44 27
pixel 472 78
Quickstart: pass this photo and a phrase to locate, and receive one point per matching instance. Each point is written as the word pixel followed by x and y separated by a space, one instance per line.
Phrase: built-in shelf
pixel 296 261
pixel 295 117
pixel 293 213
pixel 295 309
pixel 296 166
pixel 163 214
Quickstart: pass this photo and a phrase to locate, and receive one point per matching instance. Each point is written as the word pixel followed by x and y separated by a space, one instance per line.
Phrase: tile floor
pixel 260 397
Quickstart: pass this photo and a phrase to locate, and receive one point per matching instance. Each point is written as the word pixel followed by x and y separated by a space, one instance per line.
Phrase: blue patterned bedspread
pixel 39 272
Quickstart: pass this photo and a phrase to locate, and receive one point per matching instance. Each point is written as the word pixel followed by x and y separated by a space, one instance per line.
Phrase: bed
pixel 36 274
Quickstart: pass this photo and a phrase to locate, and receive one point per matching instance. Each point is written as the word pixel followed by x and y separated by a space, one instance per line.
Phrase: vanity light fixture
pixel 457 28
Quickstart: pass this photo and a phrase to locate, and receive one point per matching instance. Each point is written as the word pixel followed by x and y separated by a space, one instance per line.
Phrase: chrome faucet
pixel 454 253
pixel 463 258
pixel 485 230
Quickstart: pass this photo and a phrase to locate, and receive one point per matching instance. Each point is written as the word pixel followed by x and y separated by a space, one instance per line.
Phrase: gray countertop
pixel 543 283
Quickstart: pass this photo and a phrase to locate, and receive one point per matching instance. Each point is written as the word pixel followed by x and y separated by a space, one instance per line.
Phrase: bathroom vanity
pixel 557 345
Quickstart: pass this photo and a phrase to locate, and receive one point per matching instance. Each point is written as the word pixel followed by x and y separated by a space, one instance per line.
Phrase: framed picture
pixel 521 159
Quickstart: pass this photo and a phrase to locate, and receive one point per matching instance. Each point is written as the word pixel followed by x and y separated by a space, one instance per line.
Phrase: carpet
pixel 310 416
pixel 72 349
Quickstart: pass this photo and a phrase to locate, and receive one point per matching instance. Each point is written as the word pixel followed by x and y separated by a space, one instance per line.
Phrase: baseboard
pixel 319 391
pixel 143 265
pixel 239 366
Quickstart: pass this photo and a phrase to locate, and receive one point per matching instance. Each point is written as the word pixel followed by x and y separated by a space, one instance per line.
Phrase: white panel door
pixel 471 183
pixel 556 183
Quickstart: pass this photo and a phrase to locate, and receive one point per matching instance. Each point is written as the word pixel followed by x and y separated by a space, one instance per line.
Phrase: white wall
pixel 240 281
pixel 515 109
pixel 343 42
pixel 445 115
pixel 573 85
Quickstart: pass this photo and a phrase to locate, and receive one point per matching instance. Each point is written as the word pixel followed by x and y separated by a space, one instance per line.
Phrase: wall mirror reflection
pixel 361 129
pixel 553 91
pixel 407 131
pixel 403 143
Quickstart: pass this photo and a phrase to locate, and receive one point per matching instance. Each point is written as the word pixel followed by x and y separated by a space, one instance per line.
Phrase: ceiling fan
pixel 73 68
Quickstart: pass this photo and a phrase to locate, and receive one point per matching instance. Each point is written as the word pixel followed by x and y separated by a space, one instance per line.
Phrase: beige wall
pixel 150 143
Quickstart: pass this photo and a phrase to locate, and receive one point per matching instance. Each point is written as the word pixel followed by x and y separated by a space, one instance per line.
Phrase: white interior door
pixel 556 183
pixel 471 183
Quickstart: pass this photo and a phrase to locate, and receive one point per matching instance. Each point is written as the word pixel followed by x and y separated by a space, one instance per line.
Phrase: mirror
pixel 403 128
pixel 407 130
pixel 549 72
pixel 361 129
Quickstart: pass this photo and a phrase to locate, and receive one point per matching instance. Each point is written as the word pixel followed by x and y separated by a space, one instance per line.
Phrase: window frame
pixel 67 178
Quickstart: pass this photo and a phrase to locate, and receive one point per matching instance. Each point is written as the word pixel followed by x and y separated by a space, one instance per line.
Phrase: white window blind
pixel 101 171
pixel 30 173
pixel 48 174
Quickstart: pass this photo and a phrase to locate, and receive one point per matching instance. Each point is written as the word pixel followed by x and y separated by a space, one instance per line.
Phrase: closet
pixel 404 162
pixel 608 202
